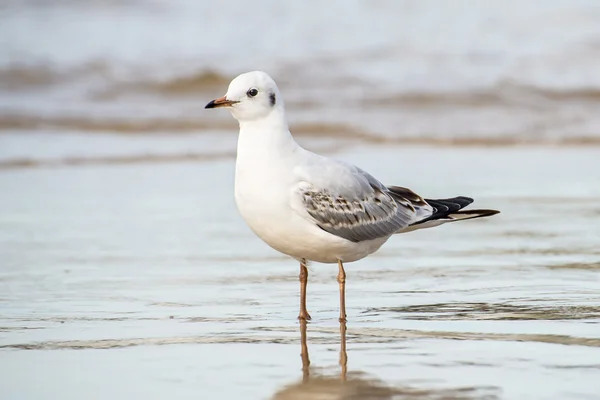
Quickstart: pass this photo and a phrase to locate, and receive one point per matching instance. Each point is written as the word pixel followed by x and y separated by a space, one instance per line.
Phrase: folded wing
pixel 359 208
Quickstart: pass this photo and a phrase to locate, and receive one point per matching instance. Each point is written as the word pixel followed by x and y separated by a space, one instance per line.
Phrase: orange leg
pixel 341 278
pixel 303 282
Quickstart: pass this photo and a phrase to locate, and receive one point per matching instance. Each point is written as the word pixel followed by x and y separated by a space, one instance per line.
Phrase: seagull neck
pixel 270 132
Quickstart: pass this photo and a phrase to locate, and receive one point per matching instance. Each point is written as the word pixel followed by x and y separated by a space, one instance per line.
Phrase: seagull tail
pixel 448 210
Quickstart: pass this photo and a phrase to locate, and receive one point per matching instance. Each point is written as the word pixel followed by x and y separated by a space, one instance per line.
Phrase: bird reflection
pixel 343 354
pixel 357 385
pixel 324 386
pixel 343 360
pixel 304 354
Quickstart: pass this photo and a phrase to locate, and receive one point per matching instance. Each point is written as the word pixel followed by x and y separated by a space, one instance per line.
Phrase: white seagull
pixel 310 207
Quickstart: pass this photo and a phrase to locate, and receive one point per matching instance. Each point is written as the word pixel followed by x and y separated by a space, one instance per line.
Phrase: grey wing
pixel 362 209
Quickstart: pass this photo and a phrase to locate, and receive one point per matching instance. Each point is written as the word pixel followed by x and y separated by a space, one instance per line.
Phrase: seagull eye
pixel 252 92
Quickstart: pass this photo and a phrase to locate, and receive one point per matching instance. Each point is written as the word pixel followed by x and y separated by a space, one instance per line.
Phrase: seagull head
pixel 250 96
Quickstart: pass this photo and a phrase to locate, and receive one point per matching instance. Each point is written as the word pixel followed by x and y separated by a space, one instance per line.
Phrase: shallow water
pixel 131 280
pixel 126 272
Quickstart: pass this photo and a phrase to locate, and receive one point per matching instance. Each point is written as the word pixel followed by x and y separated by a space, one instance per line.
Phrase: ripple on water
pixel 490 311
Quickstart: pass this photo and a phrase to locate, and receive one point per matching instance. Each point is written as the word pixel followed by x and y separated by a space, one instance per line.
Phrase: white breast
pixel 263 182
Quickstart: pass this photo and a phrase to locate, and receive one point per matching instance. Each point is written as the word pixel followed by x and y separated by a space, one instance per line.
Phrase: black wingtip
pixel 451 209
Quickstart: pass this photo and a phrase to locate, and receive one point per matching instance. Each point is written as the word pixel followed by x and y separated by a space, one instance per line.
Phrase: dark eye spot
pixel 252 92
pixel 272 99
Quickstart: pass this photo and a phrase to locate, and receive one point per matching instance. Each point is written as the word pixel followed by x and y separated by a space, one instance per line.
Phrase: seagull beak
pixel 220 102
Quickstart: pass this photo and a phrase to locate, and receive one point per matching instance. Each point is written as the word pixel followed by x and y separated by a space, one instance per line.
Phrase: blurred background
pixel 125 270
pixel 108 79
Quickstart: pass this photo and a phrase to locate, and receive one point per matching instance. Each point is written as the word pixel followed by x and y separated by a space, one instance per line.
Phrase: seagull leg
pixel 341 278
pixel 303 282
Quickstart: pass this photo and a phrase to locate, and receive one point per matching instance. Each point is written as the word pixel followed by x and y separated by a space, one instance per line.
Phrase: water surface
pixel 140 279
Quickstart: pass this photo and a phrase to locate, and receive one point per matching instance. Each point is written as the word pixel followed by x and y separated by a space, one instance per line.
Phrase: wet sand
pixel 140 280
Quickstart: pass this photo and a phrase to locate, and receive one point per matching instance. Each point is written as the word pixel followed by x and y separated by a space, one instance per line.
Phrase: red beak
pixel 220 102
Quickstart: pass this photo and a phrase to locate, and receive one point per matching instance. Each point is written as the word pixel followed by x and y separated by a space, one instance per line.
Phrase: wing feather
pixel 364 211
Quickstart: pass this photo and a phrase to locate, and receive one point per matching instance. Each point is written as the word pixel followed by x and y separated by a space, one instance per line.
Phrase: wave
pixel 188 84
pixel 338 131
pixel 91 124
pixel 178 86
pixel 21 163
pixel 504 94
pixel 15 77
pixel 29 122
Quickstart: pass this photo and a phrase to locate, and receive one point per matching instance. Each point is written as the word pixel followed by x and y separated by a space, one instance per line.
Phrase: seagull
pixel 311 207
